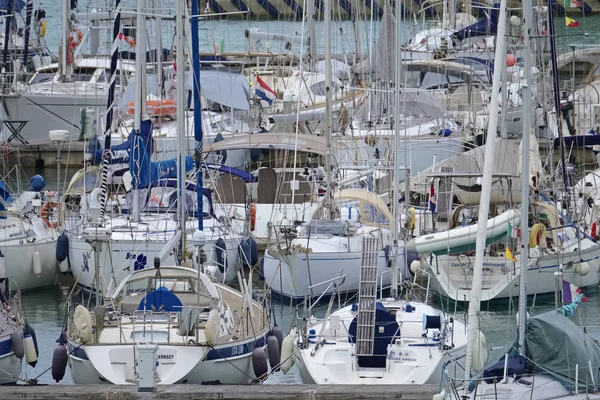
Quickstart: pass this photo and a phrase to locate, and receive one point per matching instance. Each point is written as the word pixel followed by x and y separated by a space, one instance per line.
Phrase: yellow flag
pixel 510 255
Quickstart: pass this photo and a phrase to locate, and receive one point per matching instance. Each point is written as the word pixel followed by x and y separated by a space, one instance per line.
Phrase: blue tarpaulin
pixel 484 27
pixel 5 5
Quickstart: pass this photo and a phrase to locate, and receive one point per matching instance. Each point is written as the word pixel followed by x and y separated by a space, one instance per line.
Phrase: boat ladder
pixel 367 297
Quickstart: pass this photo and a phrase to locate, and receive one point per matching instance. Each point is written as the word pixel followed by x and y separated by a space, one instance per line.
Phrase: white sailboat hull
pixel 19 263
pixel 115 364
pixel 452 277
pixel 291 276
pixel 126 256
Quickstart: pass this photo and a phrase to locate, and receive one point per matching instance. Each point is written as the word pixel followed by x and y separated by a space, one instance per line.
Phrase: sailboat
pixel 136 236
pixel 540 334
pixel 386 341
pixel 198 331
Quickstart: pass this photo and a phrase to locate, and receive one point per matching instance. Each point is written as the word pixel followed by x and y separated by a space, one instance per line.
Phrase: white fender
pixel 287 351
pixel 30 353
pixel 37 263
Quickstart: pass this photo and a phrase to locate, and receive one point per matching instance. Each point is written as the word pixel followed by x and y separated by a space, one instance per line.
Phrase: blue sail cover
pixel 6 5
pixel 245 175
pixel 120 152
pixel 484 27
pixel 5 193
pixel 168 168
pixel 139 156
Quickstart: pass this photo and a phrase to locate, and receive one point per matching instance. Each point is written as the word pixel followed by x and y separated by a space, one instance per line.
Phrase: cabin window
pixel 42 78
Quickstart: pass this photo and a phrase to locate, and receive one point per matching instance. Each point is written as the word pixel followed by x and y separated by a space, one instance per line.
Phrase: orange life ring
pixel 75 38
pixel 130 40
pixel 252 217
pixel 157 108
pixel 45 211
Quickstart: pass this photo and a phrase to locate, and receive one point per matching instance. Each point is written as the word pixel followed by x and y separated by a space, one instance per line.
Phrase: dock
pixel 188 392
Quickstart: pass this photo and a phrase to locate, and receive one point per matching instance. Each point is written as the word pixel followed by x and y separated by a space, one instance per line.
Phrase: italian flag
pixel 513 231
pixel 572 4
pixel 571 23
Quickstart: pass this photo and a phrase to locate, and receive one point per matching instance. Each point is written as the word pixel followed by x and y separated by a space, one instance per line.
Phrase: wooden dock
pixel 188 392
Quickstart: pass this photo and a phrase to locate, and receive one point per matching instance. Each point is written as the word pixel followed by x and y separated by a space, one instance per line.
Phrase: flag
pixel 509 255
pixel 513 231
pixel 432 204
pixel 571 23
pixel 570 292
pixel 572 4
pixel 219 46
pixel 264 91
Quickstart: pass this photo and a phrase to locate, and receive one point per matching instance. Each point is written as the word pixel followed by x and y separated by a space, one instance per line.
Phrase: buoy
pixel 511 60
pixel 3 272
pixel 16 339
pixel 259 362
pixel 415 266
pixel 37 263
pixel 62 252
pixel 287 351
pixel 59 361
pixel 30 352
pixel 441 395
pixel 274 354
pixel 221 251
pixel 244 253
pixel 480 353
pixel 594 232
pixel 213 326
pixel 253 251
pixel 278 333
pixel 537 236
pixel 514 20
pixel 582 268
pixel 29 329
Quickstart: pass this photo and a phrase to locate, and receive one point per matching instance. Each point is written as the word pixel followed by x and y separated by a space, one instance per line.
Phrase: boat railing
pixel 309 304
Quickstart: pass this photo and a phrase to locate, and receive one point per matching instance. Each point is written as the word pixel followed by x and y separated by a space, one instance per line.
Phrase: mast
pixel 109 109
pixel 396 174
pixel 197 108
pixel 527 124
pixel 64 68
pixel 140 67
pixel 555 80
pixel 328 120
pixel 181 120
pixel 8 22
pixel 312 40
pixel 29 12
pixel 486 186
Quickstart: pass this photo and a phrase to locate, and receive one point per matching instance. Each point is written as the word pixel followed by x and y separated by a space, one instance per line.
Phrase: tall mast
pixel 556 83
pixel 197 108
pixel 486 187
pixel 328 120
pixel 396 174
pixel 109 109
pixel 64 69
pixel 527 125
pixel 312 40
pixel 181 120
pixel 140 100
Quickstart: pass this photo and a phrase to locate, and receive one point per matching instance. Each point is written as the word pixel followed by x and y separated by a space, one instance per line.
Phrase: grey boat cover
pixel 556 344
